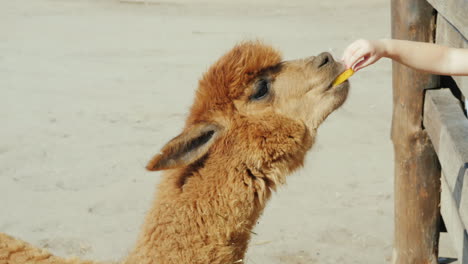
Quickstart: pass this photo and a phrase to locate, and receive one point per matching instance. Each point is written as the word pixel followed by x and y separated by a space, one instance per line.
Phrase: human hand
pixel 362 53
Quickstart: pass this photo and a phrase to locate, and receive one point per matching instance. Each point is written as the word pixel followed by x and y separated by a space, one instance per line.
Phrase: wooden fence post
pixel 417 171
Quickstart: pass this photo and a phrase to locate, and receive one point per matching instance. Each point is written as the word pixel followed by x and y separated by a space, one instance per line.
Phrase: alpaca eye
pixel 261 90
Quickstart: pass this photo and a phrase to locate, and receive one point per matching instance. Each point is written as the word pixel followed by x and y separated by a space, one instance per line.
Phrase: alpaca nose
pixel 323 59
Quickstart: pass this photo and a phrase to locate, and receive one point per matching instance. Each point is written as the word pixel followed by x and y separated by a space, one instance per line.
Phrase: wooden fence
pixel 430 136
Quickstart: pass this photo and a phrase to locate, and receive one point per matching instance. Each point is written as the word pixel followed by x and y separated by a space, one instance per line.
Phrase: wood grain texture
pixel 417 172
pixel 448 129
pixel 455 11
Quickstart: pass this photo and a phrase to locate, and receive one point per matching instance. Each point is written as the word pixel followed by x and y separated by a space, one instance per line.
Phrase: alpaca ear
pixel 186 148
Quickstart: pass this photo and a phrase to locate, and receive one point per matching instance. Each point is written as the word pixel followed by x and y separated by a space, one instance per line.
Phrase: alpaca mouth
pixel 334 85
pixel 330 86
pixel 337 86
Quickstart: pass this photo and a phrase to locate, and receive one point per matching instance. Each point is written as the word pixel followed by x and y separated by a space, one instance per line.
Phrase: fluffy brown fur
pixel 251 124
pixel 14 251
pixel 228 77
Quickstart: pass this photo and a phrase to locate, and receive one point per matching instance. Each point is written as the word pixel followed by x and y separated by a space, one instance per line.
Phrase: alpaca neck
pixel 201 217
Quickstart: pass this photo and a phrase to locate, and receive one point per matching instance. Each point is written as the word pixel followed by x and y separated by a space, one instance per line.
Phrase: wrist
pixel 386 47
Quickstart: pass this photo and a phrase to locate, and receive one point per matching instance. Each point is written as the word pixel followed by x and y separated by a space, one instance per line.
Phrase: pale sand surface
pixel 90 90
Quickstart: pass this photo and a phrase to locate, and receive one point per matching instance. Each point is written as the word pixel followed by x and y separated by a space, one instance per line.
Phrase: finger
pixel 350 58
pixel 361 64
pixel 358 55
pixel 350 50
pixel 364 63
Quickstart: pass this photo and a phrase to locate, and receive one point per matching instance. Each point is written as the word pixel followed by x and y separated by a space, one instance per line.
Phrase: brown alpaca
pixel 252 122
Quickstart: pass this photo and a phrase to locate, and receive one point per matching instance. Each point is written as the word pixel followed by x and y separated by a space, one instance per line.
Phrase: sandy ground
pixel 90 90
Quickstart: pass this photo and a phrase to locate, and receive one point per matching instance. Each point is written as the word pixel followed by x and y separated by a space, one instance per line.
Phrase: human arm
pixel 421 56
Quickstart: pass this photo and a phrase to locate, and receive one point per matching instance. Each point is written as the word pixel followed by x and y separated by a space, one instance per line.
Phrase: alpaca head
pixel 254 109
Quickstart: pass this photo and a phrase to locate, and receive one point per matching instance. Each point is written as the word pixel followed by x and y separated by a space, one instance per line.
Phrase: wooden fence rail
pixel 448 129
pixel 429 132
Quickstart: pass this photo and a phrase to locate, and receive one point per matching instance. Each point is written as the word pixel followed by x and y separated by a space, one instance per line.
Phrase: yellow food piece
pixel 343 77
